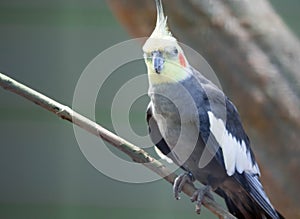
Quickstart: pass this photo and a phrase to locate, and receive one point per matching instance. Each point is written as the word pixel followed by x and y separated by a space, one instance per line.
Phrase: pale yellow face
pixel 165 60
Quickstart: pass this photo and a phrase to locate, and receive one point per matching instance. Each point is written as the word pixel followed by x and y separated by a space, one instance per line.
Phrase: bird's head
pixel 165 60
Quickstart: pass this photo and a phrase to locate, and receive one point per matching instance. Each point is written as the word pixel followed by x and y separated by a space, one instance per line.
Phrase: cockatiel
pixel 192 122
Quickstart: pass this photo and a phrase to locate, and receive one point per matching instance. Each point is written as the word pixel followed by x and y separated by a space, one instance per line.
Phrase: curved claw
pixel 180 181
pixel 199 195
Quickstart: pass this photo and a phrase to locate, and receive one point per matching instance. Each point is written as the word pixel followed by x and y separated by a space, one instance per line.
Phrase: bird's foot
pixel 199 195
pixel 180 181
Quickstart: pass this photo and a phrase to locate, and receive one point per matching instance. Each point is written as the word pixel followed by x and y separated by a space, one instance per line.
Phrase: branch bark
pixel 257 59
pixel 135 153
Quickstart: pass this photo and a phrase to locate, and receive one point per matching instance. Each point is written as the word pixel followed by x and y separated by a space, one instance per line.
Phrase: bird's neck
pixel 171 74
pixel 167 95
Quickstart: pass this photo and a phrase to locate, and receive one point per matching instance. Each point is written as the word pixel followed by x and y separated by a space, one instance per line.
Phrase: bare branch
pixel 135 153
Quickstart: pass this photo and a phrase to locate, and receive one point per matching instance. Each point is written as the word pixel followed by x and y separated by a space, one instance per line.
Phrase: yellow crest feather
pixel 161 28
pixel 161 36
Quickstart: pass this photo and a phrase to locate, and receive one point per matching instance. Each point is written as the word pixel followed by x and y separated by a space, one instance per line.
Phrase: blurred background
pixel 47 45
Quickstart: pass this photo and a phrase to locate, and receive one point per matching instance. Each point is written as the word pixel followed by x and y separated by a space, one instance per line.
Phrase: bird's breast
pixel 174 101
pixel 177 123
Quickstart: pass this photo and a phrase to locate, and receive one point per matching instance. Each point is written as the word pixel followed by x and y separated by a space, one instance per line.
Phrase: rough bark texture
pixel 257 60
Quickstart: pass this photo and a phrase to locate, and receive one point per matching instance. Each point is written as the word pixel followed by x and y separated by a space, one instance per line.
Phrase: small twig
pixel 137 154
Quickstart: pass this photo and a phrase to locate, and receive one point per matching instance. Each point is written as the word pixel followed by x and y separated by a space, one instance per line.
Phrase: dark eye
pixel 175 51
pixel 171 51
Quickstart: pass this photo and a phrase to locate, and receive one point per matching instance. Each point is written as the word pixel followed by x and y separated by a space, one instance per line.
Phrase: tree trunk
pixel 256 58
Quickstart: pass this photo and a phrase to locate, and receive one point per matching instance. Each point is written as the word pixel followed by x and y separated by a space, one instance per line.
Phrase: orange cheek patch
pixel 182 60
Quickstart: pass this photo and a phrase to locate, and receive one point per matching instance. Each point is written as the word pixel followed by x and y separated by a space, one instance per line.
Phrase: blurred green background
pixel 47 45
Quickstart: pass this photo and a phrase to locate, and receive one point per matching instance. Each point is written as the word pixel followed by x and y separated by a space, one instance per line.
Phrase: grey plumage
pixel 241 190
pixel 193 123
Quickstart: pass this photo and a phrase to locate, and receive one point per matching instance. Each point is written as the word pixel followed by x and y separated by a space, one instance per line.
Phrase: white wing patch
pixel 235 154
pixel 162 156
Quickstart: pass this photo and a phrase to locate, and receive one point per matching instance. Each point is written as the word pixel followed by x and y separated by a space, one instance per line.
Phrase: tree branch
pixel 135 153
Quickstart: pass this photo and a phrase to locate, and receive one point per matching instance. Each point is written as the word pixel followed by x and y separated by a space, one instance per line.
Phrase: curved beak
pixel 158 61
